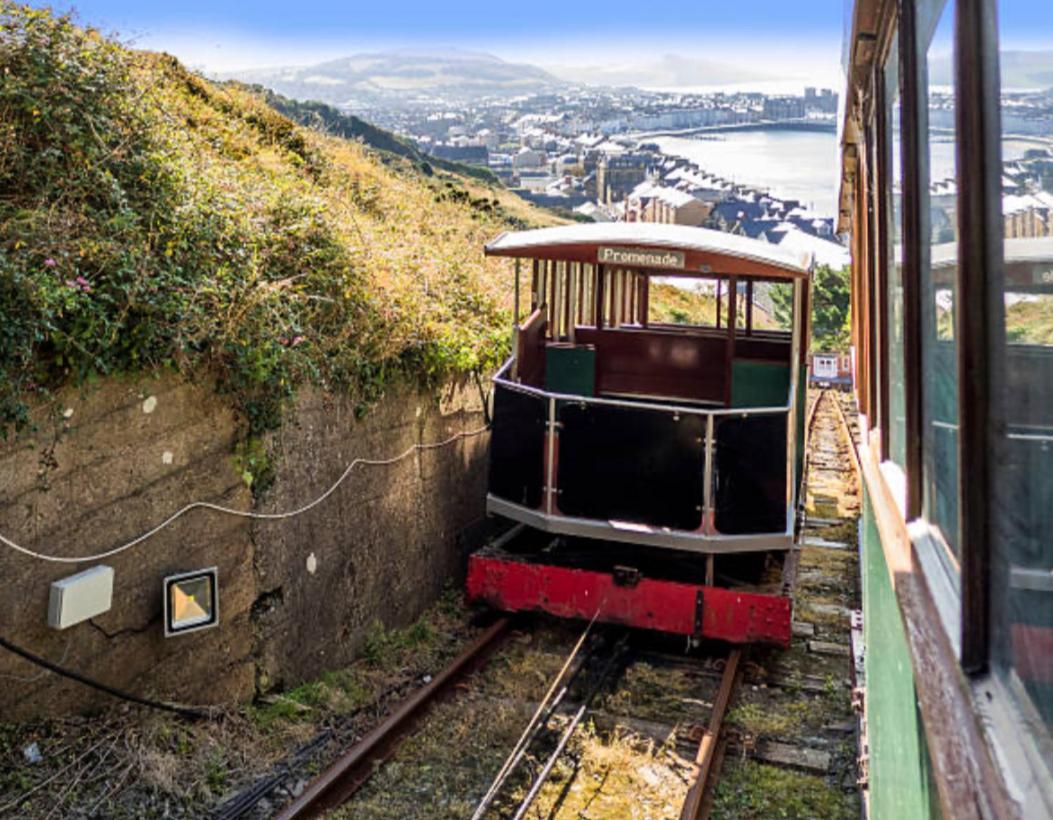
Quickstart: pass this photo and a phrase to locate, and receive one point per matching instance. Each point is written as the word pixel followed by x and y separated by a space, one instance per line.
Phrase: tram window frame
pixel 890 273
pixel 719 294
pixel 947 573
pixel 938 555
pixel 1007 527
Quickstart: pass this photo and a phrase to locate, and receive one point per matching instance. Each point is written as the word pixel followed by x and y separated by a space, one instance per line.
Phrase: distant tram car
pixel 831 370
pixel 648 430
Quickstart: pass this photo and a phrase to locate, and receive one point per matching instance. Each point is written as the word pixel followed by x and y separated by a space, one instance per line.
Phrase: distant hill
pixel 1019 69
pixel 668 71
pixel 394 77
pixel 1027 69
pixel 331 120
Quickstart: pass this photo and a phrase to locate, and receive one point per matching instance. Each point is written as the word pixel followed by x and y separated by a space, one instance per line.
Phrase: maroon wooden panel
pixel 530 350
pixel 659 363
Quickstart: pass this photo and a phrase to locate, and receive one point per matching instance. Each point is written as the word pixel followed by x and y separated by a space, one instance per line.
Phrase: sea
pixel 801 165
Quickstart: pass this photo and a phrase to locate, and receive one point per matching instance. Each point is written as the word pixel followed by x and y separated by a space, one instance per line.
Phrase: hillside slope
pixel 323 117
pixel 149 217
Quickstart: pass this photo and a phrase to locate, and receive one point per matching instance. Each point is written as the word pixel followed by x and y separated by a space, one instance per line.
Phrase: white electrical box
pixel 81 596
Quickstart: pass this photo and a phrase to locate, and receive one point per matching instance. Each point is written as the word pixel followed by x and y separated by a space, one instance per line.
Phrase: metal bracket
pixel 626 576
pixel 699 601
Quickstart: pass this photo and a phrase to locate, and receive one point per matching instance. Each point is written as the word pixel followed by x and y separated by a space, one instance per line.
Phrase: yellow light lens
pixel 191 602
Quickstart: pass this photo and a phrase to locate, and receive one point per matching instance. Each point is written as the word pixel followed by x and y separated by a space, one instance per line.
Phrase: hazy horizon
pixel 614 37
pixel 772 45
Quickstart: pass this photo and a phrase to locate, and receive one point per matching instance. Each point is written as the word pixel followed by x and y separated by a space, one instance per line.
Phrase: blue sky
pixel 779 37
pixel 221 35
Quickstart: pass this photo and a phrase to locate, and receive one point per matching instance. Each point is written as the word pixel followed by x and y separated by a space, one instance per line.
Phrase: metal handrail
pixel 551 398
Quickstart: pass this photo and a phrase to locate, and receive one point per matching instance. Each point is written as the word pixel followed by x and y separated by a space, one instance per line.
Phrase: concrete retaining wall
pixel 296 596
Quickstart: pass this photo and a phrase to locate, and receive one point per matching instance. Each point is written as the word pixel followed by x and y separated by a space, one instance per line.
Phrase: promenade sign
pixel 641 258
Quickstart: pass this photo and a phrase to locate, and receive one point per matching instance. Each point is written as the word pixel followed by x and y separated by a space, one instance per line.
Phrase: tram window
pixel 893 187
pixel 772 306
pixel 1022 596
pixel 939 276
pixel 687 301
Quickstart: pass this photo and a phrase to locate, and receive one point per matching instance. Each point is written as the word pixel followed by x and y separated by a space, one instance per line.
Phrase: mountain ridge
pixel 377 77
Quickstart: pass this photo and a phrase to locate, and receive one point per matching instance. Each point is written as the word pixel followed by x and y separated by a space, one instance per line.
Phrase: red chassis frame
pixel 644 603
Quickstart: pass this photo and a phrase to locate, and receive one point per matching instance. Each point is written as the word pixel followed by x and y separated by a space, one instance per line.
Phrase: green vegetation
pixel 754 790
pixel 669 304
pixel 1030 321
pixel 322 117
pixel 150 218
pixel 831 304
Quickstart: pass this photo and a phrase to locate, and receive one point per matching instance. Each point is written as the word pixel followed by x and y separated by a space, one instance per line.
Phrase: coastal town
pixel 595 155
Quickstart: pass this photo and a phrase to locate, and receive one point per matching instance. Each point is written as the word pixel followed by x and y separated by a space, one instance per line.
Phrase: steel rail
pixel 553 697
pixel 337 784
pixel 692 808
pixel 615 658
pixel 843 422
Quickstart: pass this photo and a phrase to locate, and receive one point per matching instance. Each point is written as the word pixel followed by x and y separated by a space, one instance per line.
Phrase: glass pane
pixel 939 285
pixel 1024 467
pixel 894 297
pixel 684 300
pixel 772 306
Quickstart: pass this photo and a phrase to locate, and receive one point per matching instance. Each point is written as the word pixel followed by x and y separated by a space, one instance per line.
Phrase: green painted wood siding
pixel 759 384
pixel 570 370
pixel 901 785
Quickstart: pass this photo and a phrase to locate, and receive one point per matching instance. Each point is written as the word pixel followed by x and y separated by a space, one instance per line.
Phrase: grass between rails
pixel 609 770
pixel 755 791
pixel 149 217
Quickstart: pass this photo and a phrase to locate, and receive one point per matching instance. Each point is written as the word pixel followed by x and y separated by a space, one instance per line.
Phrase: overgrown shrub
pixel 151 218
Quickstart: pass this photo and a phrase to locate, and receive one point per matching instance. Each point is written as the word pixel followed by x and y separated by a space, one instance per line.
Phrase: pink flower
pixel 297 340
pixel 49 262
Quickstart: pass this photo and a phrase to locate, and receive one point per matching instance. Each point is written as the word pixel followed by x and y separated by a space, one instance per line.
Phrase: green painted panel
pixel 571 370
pixel 759 384
pixel 900 775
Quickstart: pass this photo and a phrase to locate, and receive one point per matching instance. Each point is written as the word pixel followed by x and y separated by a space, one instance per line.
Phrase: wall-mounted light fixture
pixel 191 601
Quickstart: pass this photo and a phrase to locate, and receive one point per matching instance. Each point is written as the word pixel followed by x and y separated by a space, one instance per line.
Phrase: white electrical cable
pixel 207 505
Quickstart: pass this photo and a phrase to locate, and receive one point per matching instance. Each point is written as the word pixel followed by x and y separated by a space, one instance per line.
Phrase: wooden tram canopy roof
pixel 668 250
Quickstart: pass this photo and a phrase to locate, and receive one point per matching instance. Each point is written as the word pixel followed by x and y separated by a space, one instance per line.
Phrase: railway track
pixel 594 686
pixel 338 783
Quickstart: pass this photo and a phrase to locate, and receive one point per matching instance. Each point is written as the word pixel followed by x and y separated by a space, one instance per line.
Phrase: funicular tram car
pixel 830 370
pixel 653 464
